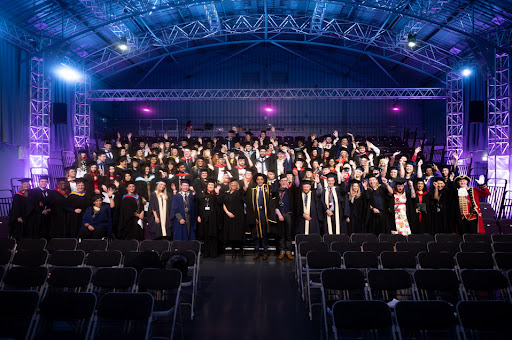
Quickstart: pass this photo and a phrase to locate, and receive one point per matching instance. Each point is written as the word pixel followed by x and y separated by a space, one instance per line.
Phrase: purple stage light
pixel 269 109
pixel 146 109
pixel 395 106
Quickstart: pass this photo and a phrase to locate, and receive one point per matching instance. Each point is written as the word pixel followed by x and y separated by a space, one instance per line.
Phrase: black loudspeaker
pixel 60 113
pixel 476 112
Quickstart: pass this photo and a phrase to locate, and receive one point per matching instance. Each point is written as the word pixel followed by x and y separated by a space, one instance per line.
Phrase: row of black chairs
pixel 26 314
pixel 421 319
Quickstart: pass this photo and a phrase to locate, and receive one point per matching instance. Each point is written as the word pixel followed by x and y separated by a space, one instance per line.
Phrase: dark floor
pixel 244 299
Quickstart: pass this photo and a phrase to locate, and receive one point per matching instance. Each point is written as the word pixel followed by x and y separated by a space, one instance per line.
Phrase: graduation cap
pixel 161 180
pixel 24 180
pixel 306 182
pixel 122 159
pixel 130 182
pixel 360 168
pixel 331 175
pixel 101 152
pixel 445 166
pixel 91 162
pixel 80 180
pixel 429 166
pixel 308 169
pixel 409 163
pixel 185 181
pixel 436 179
pixel 180 163
pixel 211 180
pixel 264 131
pixel 82 151
pixel 362 144
pixel 400 180
pixel 419 179
pixel 343 148
pixel 107 142
pixel 231 131
pixel 353 180
pixel 70 168
pixel 260 175
pixel 248 133
pixel 60 179
pixel 43 177
pixel 135 160
pixel 97 197
pixel 283 176
pixel 203 170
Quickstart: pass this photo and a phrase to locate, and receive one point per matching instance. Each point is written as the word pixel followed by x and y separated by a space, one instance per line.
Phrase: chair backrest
pixel 125 306
pixel 328 238
pixel 423 238
pixel 365 259
pixel 342 247
pixel 436 279
pixel 412 247
pixel 159 279
pixel 451 248
pixel 343 279
pixel 7 243
pixel 361 315
pixel 485 316
pixel 360 238
pixel 89 245
pixel 142 259
pixel 502 247
pixel 484 280
pixel 30 258
pixel 306 247
pixel 389 279
pixel 32 244
pixel 299 238
pixel 474 261
pixel 107 258
pixel 473 247
pixel 441 260
pixel 195 246
pixel 425 315
pixel 5 256
pixel 70 277
pixel 393 238
pixel 476 238
pixel 115 278
pixel 377 247
pixel 124 246
pixel 444 238
pixel 502 238
pixel 67 258
pixel 503 260
pixel 61 244
pixel 399 259
pixel 189 254
pixel 17 313
pixel 156 245
pixel 323 259
pixel 63 306
pixel 25 277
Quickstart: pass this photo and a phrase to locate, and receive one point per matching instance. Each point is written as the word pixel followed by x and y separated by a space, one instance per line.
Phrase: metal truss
pixel 423 8
pixel 39 149
pixel 20 37
pixel 259 94
pixel 274 28
pixel 318 15
pixel 213 17
pixel 454 113
pixel 82 114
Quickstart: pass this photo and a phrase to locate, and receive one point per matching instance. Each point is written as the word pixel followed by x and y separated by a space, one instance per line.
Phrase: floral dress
pixel 401 222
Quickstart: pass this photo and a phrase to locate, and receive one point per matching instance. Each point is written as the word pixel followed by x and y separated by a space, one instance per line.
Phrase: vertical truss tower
pixel 454 113
pixel 81 115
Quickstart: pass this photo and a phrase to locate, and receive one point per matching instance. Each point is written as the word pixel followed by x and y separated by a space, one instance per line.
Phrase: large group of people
pixel 218 191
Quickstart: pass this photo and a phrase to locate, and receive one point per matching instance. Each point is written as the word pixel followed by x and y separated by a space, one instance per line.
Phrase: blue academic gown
pixel 178 207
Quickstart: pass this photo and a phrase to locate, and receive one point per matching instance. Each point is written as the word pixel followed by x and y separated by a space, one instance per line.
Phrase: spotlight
pixel 466 72
pixel 395 106
pixel 145 109
pixel 68 73
pixel 411 40
pixel 269 109
pixel 123 44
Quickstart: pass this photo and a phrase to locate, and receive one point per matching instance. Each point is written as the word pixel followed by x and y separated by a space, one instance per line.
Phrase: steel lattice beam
pixel 39 133
pixel 422 8
pixel 259 94
pixel 213 17
pixel 81 116
pixel 454 113
pixel 318 15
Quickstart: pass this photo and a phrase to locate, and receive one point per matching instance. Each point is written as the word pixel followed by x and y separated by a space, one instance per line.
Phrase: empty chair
pixel 473 247
pixel 444 238
pixel 393 238
pixel 387 284
pixel 377 247
pixel 501 238
pixel 415 317
pixel 31 244
pixel 362 260
pixel 195 246
pixel 440 260
pixel 124 246
pixel 423 238
pixel 476 238
pixel 505 226
pixel 474 261
pixel 89 245
pixel 487 284
pixel 61 244
pixel 485 317
pixel 141 260
pixel 7 243
pixel 361 316
pixel 451 248
pixel 299 238
pixel 30 258
pixel 166 284
pixel 117 308
pixel 156 245
pixel 5 256
pixel 342 247
pixel 25 278
pixel 75 278
pixel 328 238
pixel 399 259
pixel 360 238
pixel 503 261
pixel 437 284
pixel 17 315
pixel 412 247
pixel 502 247
pixel 304 248
pixel 62 307
pixel 108 258
pixel 118 279
pixel 67 258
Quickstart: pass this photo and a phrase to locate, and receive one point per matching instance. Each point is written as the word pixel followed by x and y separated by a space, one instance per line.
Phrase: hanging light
pixel 123 44
pixel 411 40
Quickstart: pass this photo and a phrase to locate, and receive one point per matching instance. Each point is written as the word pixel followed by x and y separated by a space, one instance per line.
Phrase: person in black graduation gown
pixel 145 183
pixel 159 212
pixel 379 197
pixel 39 212
pixel 18 216
pixel 58 203
pixel 423 207
pixel 335 206
pixel 309 208
pixel 96 222
pixel 209 219
pixel 284 204
pixel 199 183
pixel 78 202
pixel 442 209
pixel 130 212
pixel 93 179
pixel 234 218
pixel 358 205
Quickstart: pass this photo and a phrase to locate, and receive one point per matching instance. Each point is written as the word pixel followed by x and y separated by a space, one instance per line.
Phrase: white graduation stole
pixel 307 208
pixel 336 210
